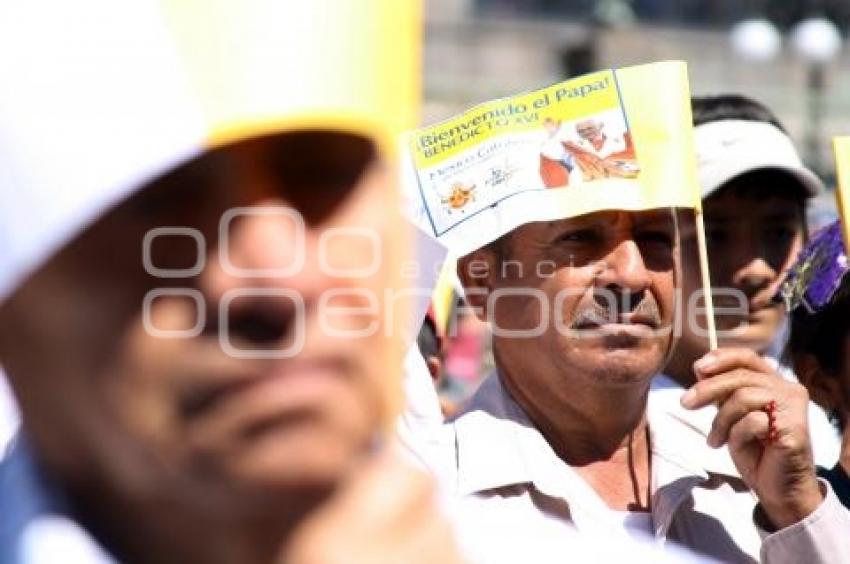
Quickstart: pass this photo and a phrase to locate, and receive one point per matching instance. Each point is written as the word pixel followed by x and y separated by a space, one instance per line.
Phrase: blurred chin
pixel 623 366
pixel 294 460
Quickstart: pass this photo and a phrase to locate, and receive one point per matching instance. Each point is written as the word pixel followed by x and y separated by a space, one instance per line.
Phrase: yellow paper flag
pixel 259 66
pixel 657 101
pixel 610 140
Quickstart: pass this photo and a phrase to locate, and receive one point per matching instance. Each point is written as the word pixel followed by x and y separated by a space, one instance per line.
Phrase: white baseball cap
pixel 727 149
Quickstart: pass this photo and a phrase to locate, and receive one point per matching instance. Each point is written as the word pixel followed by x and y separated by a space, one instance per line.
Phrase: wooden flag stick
pixel 841 147
pixel 842 212
pixel 706 280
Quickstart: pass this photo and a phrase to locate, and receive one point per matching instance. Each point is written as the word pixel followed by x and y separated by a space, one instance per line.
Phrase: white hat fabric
pixel 726 149
pixel 100 97
pixel 73 139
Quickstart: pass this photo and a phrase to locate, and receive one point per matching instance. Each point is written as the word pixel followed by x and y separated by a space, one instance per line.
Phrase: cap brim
pixel 809 181
pixel 728 149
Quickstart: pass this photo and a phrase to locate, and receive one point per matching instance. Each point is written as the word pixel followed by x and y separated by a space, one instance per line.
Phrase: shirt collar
pixel 498 446
pixel 490 433
pixel 34 521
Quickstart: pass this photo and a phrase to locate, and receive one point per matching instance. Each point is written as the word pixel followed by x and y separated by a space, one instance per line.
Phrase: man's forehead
pixel 614 217
pixel 608 219
pixel 760 185
pixel 300 160
pixel 298 176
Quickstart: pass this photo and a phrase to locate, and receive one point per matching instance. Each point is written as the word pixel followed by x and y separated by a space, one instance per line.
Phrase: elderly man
pixel 593 139
pixel 561 430
pixel 598 153
pixel 183 275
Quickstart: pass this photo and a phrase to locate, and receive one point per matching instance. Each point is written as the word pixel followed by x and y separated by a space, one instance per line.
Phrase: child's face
pixel 752 241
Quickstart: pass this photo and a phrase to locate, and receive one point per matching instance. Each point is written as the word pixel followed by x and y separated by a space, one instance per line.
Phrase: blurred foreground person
pixel 192 194
pixel 561 430
pixel 754 191
pixel 817 293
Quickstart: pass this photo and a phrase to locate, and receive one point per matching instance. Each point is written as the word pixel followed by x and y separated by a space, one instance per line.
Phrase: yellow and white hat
pixel 100 97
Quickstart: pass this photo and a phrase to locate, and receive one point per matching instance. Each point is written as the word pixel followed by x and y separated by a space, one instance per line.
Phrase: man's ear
pixel 824 389
pixel 478 272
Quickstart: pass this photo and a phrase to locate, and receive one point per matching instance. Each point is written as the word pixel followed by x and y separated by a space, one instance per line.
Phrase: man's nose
pixel 624 269
pixel 264 247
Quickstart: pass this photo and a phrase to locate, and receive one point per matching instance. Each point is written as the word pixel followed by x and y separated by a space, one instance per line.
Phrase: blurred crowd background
pixel 791 55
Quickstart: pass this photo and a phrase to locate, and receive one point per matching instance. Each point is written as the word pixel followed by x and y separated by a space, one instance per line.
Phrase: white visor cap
pixel 727 149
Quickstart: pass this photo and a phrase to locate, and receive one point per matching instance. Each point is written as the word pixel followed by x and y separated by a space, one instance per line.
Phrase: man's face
pixel 753 235
pixel 273 392
pixel 599 292
pixel 588 130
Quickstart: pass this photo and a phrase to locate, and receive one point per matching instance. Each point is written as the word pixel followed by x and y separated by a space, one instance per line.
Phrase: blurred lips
pixel 264 427
pixel 304 376
pixel 297 382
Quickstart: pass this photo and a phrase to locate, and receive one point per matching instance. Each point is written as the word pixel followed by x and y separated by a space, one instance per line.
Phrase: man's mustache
pixel 613 311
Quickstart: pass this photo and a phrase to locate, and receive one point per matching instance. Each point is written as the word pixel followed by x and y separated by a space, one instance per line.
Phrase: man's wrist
pixel 792 509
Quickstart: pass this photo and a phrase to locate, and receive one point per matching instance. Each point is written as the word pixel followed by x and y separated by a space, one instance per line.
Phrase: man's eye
pixel 580 236
pixel 656 237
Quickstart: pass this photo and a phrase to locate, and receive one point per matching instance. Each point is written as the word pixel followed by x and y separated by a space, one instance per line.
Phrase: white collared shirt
pixel 493 459
pixel 553 148
pixel 35 527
